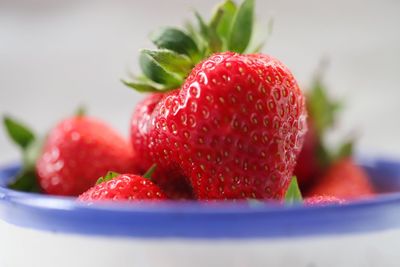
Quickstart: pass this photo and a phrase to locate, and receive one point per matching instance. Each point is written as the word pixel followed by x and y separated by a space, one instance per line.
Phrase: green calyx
pixel 178 51
pixel 323 112
pixel 30 147
pixel 293 194
pixel 322 109
pixel 81 111
pixel 109 176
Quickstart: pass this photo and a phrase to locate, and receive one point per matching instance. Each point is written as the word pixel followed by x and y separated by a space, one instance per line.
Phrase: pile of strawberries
pixel 220 121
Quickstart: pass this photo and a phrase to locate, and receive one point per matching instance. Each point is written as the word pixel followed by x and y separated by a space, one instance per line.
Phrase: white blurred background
pixel 57 55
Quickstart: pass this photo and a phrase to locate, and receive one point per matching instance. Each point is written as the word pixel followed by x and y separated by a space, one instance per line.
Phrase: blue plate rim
pixel 199 220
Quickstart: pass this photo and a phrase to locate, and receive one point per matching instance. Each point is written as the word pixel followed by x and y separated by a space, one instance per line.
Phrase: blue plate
pixel 210 221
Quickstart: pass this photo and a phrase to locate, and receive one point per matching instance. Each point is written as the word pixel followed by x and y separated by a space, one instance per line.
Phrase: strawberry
pixel 78 151
pixel 345 180
pixel 234 129
pixel 323 201
pixel 236 123
pixel 293 195
pixel 119 187
pixel 173 183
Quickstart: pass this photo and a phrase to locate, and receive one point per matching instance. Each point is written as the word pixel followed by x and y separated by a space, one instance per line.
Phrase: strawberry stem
pixel 81 111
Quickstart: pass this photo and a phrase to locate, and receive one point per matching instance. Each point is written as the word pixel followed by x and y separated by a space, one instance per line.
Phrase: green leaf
pixel 242 27
pixel 109 176
pixel 228 9
pixel 324 155
pixel 201 43
pixel 209 33
pixel 155 72
pixel 32 153
pixel 345 150
pixel 204 30
pixel 150 172
pixel 145 85
pixel 171 61
pixel 293 194
pixel 192 32
pixel 321 108
pixel 177 41
pixel 18 132
pixel 31 148
pixel 25 181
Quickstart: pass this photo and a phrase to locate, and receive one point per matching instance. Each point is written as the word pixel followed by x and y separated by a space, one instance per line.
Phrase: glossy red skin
pixel 234 129
pixel 308 166
pixel 77 152
pixel 124 187
pixel 170 179
pixel 323 201
pixel 344 180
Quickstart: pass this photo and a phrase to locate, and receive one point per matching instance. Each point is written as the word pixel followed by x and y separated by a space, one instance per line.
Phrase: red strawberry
pixel 323 201
pixel 124 187
pixel 173 183
pixel 234 129
pixel 237 123
pixel 345 180
pixel 78 151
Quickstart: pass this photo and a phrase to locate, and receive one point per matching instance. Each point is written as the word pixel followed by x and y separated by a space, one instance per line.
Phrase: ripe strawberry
pixel 237 123
pixel 119 187
pixel 78 151
pixel 234 129
pixel 173 183
pixel 345 180
pixel 323 201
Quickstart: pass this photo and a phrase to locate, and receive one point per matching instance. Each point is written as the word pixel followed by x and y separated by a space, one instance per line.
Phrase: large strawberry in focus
pixel 237 123
pixel 345 180
pixel 78 151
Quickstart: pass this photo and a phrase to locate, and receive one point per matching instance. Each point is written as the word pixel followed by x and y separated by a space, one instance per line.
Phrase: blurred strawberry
pixel 293 195
pixel 75 153
pixel 78 151
pixel 344 180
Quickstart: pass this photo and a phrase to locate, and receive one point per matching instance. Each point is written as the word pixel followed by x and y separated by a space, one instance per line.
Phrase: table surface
pixel 57 55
